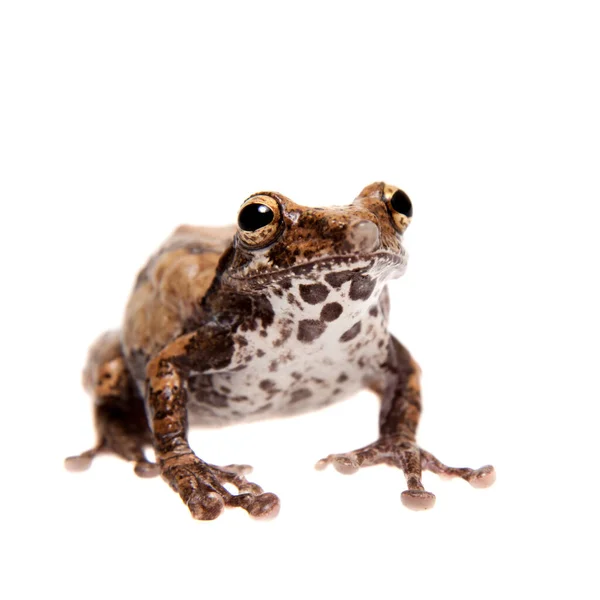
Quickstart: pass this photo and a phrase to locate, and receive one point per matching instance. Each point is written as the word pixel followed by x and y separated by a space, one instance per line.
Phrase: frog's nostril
pixel 364 236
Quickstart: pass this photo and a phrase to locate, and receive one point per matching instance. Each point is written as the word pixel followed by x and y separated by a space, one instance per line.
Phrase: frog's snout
pixel 364 236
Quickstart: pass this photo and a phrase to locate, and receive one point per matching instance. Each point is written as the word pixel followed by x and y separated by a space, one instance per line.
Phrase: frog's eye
pixel 258 221
pixel 400 207
pixel 401 203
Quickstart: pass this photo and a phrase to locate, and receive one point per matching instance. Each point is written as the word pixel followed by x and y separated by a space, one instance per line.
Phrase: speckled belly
pixel 314 353
pixel 260 391
pixel 229 397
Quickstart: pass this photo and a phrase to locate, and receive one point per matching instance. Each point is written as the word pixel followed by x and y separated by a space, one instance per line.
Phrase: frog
pixel 283 313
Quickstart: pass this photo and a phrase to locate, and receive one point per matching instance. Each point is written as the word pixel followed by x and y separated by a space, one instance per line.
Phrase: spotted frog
pixel 284 313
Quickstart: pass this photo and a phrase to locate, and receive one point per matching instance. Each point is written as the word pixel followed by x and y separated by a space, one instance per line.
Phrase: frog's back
pixel 199 240
pixel 169 290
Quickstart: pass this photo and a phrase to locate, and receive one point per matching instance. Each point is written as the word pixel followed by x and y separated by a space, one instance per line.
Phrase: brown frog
pixel 285 313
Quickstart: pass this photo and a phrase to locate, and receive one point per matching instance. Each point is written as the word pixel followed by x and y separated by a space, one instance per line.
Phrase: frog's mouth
pixel 379 265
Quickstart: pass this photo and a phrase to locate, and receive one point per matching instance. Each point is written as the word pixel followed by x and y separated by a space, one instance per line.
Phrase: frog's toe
pixel 347 465
pixel 321 464
pixel 264 506
pixel 81 462
pixel 417 499
pixel 478 478
pixel 483 477
pixel 342 463
pixel 146 469
pixel 238 469
pixel 205 488
pixel 251 497
pixel 206 506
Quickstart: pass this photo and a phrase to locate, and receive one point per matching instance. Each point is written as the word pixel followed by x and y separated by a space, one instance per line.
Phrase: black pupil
pixel 254 216
pixel 401 203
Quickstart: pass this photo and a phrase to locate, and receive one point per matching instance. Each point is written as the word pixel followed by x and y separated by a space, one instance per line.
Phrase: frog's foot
pixel 202 488
pixel 119 410
pixel 120 435
pixel 406 455
pixel 82 462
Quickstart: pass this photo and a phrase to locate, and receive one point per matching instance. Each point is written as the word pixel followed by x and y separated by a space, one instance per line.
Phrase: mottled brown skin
pixel 304 297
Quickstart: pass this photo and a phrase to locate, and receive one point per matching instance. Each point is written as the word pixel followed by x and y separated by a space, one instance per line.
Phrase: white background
pixel 120 120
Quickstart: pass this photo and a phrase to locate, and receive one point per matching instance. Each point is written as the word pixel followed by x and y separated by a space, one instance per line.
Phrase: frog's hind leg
pixel 120 418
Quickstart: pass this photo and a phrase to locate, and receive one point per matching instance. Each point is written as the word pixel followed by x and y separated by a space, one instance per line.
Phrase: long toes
pixel 238 469
pixel 343 463
pixel 417 499
pixel 346 464
pixel 322 464
pixel 206 506
pixel 146 469
pixel 264 506
pixel 482 478
pixel 247 487
pixel 79 463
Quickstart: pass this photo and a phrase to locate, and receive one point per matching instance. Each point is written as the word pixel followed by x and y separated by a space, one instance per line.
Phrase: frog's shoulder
pixel 170 288
pixel 184 266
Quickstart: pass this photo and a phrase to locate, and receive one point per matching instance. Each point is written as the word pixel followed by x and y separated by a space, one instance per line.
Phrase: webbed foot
pixel 412 460
pixel 201 486
pixel 142 466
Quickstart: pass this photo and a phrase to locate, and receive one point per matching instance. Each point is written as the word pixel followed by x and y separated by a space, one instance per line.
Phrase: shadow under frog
pixel 296 295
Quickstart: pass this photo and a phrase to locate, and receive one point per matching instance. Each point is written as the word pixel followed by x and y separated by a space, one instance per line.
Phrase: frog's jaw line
pixel 378 263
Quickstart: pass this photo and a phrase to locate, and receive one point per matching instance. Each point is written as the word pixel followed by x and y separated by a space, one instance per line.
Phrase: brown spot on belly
pixel 336 280
pixel 299 395
pixel 373 311
pixel 293 301
pixel 310 329
pixel 283 358
pixel 351 333
pixel 342 378
pixel 362 287
pixel 285 332
pixel 267 385
pixel 239 399
pixel 331 311
pixel 314 293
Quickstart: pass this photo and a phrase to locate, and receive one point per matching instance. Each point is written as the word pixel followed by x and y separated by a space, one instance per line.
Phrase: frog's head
pixel 279 240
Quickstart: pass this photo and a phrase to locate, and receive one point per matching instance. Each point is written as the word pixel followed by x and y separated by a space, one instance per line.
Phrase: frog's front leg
pixel 396 446
pixel 200 485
